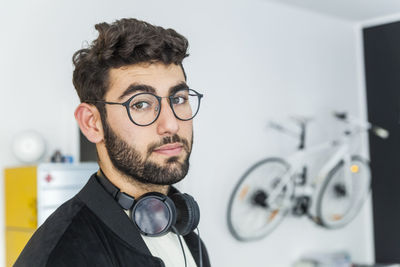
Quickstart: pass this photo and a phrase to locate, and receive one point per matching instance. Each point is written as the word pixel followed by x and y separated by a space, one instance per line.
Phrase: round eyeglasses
pixel 144 108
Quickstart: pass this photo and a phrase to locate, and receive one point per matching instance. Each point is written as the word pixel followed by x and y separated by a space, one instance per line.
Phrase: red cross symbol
pixel 48 178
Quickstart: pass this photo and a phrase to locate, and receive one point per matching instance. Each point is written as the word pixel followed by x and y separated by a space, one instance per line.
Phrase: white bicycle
pixel 274 187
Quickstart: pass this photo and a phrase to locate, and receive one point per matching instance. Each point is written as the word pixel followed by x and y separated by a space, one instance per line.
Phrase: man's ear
pixel 89 120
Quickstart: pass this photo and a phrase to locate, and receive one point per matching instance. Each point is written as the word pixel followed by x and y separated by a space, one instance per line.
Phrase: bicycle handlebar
pixel 377 130
pixel 380 132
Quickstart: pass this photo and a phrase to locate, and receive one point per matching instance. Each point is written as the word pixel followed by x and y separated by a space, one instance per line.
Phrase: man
pixel 138 110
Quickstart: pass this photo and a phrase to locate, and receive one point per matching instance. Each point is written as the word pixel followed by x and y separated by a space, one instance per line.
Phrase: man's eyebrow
pixel 179 86
pixel 135 88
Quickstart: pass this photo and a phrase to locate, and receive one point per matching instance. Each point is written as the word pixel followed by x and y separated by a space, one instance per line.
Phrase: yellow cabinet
pixel 20 209
pixel 15 242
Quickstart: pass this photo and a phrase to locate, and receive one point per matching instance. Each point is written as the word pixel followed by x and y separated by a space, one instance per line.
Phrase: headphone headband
pixel 124 200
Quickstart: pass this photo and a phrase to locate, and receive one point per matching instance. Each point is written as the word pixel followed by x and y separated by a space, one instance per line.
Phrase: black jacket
pixel 92 229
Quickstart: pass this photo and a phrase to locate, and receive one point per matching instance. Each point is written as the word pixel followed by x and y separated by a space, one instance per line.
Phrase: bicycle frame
pixel 298 160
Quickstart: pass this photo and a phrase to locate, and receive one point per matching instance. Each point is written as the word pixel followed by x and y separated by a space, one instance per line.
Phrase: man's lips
pixel 169 149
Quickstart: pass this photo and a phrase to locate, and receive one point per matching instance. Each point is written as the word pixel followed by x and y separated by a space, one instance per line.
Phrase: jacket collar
pixel 100 202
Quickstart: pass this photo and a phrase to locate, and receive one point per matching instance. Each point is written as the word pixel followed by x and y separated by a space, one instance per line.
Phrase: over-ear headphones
pixel 155 214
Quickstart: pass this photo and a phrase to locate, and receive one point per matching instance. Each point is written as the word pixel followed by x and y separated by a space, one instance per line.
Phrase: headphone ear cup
pixel 154 214
pixel 188 213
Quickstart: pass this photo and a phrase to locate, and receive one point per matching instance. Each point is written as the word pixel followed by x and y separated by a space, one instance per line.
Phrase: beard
pixel 128 160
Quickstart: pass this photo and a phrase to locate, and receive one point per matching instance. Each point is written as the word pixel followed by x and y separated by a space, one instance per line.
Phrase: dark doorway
pixel 382 69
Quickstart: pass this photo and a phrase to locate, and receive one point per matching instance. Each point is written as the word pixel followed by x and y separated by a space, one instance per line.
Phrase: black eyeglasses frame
pixel 159 98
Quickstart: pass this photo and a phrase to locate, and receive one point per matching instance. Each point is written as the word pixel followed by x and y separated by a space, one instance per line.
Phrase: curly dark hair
pixel 123 42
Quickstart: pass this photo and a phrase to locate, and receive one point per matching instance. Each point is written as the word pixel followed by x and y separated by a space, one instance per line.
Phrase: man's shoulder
pixel 53 231
pixel 74 235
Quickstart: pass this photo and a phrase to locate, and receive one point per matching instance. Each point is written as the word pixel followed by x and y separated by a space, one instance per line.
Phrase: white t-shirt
pixel 168 248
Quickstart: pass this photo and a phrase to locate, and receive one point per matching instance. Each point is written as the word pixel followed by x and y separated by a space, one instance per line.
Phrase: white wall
pixel 253 60
pixel 275 61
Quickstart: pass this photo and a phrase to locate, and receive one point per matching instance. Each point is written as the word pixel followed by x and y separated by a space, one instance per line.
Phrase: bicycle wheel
pixel 337 204
pixel 251 215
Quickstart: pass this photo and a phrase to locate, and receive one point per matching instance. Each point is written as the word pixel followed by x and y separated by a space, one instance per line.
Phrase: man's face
pixel 155 154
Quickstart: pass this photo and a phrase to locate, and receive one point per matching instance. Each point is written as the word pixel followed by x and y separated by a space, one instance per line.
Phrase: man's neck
pixel 128 185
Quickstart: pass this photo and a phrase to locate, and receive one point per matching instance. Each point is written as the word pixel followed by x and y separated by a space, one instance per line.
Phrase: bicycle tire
pixel 242 212
pixel 333 186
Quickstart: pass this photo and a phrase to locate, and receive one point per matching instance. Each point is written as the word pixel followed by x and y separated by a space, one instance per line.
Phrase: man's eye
pixel 177 100
pixel 142 105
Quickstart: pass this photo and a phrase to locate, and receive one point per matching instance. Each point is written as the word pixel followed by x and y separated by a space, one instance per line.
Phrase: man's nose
pixel 167 123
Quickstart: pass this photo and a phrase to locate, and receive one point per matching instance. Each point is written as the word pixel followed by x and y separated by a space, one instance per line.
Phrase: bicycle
pixel 274 187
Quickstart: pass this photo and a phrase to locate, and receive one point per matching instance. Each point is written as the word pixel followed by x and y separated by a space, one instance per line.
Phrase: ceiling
pixel 352 10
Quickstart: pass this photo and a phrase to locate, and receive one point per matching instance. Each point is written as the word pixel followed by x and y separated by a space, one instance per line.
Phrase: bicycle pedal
pixel 302 205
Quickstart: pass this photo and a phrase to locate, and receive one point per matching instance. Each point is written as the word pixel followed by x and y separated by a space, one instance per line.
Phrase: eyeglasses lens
pixel 185 104
pixel 144 108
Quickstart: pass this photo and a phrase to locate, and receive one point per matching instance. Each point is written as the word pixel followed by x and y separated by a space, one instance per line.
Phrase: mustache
pixel 169 140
